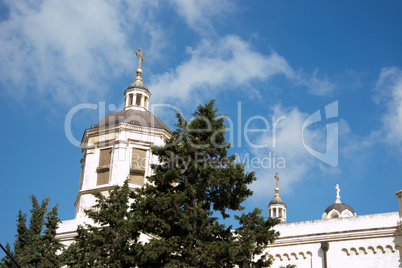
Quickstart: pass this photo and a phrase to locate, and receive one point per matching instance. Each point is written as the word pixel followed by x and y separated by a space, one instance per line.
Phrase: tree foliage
pixel 111 240
pixel 36 246
pixel 195 179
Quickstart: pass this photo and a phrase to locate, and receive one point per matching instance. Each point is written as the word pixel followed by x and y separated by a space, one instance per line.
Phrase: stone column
pixel 142 100
pixel 399 195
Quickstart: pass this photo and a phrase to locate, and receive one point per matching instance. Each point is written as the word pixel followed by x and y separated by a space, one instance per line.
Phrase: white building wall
pixel 120 165
pixel 122 138
pixel 362 241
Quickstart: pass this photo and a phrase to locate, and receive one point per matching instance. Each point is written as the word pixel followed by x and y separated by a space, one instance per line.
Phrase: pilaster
pixel 121 163
pixel 399 223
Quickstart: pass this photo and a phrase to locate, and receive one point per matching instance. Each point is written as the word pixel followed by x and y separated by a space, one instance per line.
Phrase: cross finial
pixel 140 57
pixel 277 188
pixel 338 197
pixel 277 179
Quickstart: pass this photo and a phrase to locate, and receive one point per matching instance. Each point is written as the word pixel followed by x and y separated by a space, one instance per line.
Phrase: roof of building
pixel 135 117
pixel 138 84
pixel 339 207
pixel 277 200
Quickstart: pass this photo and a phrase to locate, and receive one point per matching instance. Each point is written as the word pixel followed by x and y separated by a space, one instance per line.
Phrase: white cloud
pixel 389 86
pixel 67 52
pixel 227 63
pixel 389 130
pixel 198 14
pixel 289 146
pixel 64 51
pixel 317 86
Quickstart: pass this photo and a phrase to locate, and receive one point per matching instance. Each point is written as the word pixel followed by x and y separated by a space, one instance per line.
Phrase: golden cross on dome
pixel 277 179
pixel 140 57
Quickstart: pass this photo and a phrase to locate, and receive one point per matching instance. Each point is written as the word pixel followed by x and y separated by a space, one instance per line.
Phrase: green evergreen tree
pixel 112 240
pixel 31 252
pixel 50 246
pixel 22 242
pixel 194 179
pixel 6 260
pixel 34 246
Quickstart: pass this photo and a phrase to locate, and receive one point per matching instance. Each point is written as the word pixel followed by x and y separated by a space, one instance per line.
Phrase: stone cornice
pixel 66 236
pixel 334 236
pixel 135 89
pixel 399 194
pixel 116 128
pixel 98 189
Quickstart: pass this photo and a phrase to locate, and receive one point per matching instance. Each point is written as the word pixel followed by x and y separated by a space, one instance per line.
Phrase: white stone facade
pixel 360 241
pixel 122 138
pixel 120 134
pixel 350 240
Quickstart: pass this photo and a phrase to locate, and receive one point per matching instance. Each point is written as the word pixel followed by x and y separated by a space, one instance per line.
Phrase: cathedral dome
pixel 338 209
pixel 136 103
pixel 135 117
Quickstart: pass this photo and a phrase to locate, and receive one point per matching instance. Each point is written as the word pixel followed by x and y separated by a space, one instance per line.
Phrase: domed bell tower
pixel 137 95
pixel 118 147
pixel 277 208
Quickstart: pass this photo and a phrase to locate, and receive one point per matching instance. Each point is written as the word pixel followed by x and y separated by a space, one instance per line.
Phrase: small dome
pixel 338 210
pixel 276 200
pixel 138 84
pixel 135 117
pixel 339 207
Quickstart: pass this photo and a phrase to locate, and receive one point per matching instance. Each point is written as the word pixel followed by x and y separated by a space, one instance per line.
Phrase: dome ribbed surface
pixel 138 84
pixel 135 117
pixel 339 207
pixel 276 200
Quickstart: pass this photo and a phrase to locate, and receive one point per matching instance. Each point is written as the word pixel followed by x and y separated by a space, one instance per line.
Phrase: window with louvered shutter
pixel 104 166
pixel 137 170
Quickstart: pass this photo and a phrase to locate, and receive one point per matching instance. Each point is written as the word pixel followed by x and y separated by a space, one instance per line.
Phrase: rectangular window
pixel 104 166
pixel 136 177
pixel 130 99
pixel 138 99
pixel 137 170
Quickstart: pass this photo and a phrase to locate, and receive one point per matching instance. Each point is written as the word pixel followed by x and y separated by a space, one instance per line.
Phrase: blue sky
pixel 263 62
